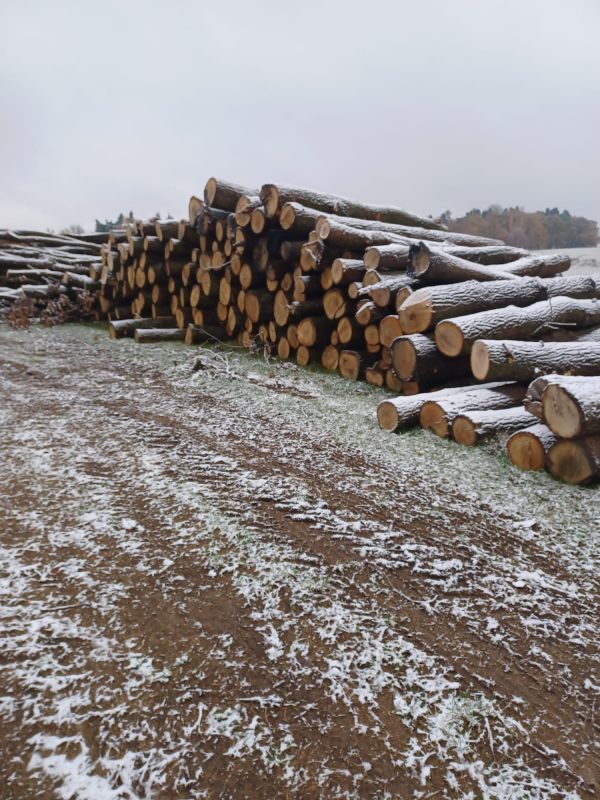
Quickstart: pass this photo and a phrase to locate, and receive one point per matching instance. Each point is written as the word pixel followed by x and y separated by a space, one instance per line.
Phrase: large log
pixel 542 266
pixel 274 196
pixel 405 234
pixel 425 307
pixel 472 427
pixel 527 448
pixel 225 195
pixel 436 265
pixel 456 336
pixel 416 358
pixel 571 406
pixel 494 360
pixel 395 256
pixel 438 415
pixel 575 461
pixel 399 413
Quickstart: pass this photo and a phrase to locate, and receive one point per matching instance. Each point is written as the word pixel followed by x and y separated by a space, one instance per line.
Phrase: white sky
pixel 109 106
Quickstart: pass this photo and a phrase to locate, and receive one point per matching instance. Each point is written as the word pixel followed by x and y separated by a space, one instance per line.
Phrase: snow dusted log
pixel 437 416
pixel 127 327
pixel 437 265
pixel 403 412
pixel 455 336
pixel 542 266
pixel 384 292
pixel 527 448
pixel 394 256
pixel 472 427
pixel 521 361
pixel 416 358
pixel 571 406
pixel 274 197
pixel 575 461
pixel 151 335
pixel 403 234
pixel 225 195
pixel 425 307
pixel 388 257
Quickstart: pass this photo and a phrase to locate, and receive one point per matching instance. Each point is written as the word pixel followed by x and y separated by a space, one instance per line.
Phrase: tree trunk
pixel 527 448
pixel 575 461
pixel 225 195
pixel 496 360
pixel 425 307
pixel 395 256
pixel 127 327
pixel 436 265
pixel 474 426
pixel 456 336
pixel 416 358
pixel 148 335
pixel 437 416
pixel 405 234
pixel 384 292
pixel 571 406
pixel 542 266
pixel 274 198
pixel 400 413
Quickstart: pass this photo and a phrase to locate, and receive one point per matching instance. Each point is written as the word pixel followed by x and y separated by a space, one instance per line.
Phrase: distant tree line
pixel 107 225
pixel 534 230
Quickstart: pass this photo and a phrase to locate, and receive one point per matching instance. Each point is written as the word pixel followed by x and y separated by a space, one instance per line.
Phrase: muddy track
pixel 220 579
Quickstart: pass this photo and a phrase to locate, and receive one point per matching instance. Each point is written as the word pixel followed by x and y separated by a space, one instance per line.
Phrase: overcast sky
pixel 109 106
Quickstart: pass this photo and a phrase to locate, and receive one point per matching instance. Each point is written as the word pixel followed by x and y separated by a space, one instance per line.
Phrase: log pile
pixel 50 277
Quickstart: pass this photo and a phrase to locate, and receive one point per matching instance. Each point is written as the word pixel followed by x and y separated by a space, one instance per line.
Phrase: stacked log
pixel 55 277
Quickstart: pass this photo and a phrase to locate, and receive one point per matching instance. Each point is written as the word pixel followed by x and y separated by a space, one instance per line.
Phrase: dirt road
pixel 220 579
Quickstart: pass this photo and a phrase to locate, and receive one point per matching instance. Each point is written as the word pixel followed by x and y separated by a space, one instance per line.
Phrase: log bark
pixel 436 265
pixel 456 336
pixel 425 307
pixel 384 292
pixel 437 416
pixel 400 413
pixel 225 195
pixel 127 327
pixel 416 358
pixel 493 359
pixel 151 335
pixel 575 461
pixel 527 448
pixel 274 197
pixel 571 406
pixel 474 426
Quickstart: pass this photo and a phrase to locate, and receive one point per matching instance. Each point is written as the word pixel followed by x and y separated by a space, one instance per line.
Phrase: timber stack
pixel 457 326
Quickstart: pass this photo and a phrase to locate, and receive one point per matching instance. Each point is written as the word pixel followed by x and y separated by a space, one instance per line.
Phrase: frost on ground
pixel 220 579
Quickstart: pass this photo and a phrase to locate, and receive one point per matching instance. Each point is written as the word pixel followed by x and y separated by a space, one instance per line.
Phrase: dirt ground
pixel 220 579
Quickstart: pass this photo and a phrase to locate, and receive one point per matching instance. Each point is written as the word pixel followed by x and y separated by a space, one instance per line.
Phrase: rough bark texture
pixel 274 196
pixel 425 307
pixel 455 336
pixel 474 426
pixel 225 195
pixel 522 361
pixel 437 416
pixel 437 265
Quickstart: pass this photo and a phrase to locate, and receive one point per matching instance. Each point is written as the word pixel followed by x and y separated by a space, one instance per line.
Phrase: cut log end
pixel 387 416
pixel 572 462
pixel 433 419
pixel 480 360
pixel 526 451
pixel 562 413
pixel 416 312
pixel 449 338
pixel 464 432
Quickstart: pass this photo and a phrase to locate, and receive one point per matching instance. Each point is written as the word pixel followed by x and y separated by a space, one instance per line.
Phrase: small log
pixel 575 461
pixel 437 416
pixel 225 195
pixel 416 358
pixel 127 327
pixel 527 448
pixel 493 359
pixel 399 413
pixel 151 335
pixel 475 426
